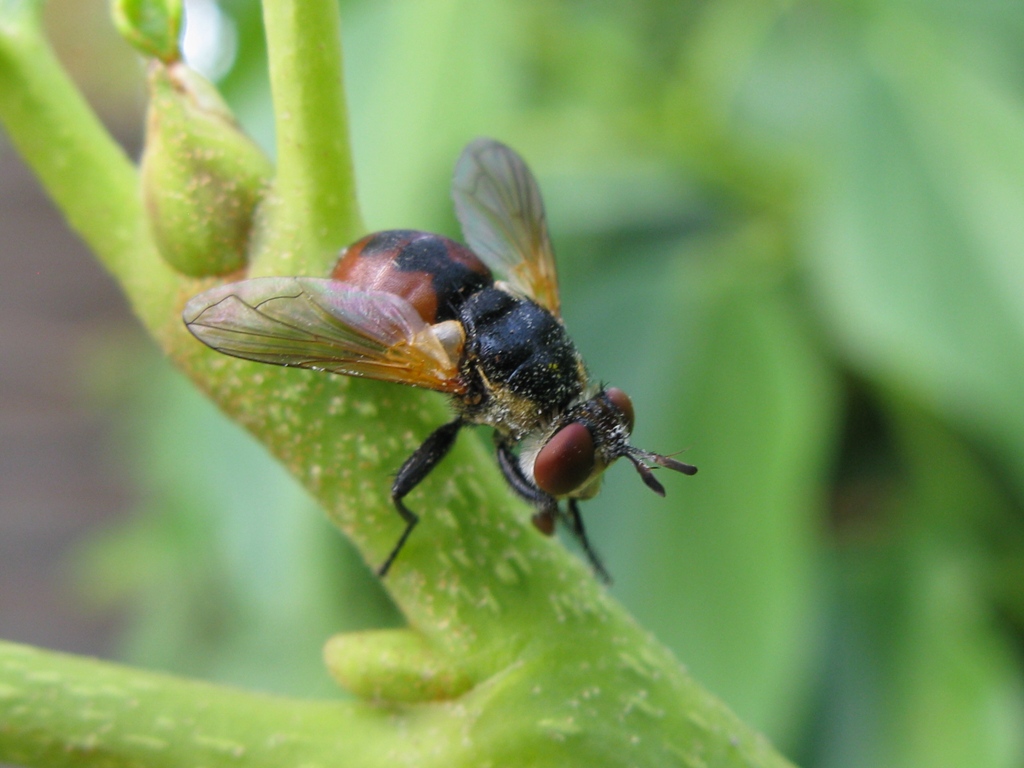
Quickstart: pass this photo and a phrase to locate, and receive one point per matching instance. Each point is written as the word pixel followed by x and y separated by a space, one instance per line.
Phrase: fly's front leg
pixel 576 526
pixel 547 506
pixel 412 473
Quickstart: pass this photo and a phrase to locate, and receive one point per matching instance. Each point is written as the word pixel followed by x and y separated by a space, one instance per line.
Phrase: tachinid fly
pixel 419 309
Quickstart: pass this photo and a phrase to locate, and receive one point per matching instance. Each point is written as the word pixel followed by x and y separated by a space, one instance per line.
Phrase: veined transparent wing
pixel 499 206
pixel 326 325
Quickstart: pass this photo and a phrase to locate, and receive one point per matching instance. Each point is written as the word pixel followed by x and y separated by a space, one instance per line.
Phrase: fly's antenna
pixel 638 457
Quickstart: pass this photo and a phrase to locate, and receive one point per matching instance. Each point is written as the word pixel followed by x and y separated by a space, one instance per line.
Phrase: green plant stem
pixel 59 710
pixel 82 168
pixel 313 209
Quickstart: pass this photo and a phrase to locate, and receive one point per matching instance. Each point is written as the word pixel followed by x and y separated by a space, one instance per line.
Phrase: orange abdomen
pixel 433 273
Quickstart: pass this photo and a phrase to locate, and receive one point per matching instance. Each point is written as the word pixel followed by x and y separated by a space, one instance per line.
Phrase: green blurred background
pixel 792 231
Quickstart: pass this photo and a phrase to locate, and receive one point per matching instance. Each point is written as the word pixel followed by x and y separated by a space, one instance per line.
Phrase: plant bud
pixel 151 26
pixel 202 177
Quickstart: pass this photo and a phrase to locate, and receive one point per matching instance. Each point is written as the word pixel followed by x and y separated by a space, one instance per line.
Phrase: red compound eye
pixel 566 461
pixel 621 400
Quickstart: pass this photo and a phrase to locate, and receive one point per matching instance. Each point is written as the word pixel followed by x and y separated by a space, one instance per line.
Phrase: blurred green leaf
pixel 919 642
pixel 914 245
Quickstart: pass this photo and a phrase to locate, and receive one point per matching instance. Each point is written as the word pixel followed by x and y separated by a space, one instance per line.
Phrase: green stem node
pixel 202 177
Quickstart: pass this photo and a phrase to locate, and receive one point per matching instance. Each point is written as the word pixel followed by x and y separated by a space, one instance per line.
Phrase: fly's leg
pixel 576 526
pixel 547 506
pixel 412 473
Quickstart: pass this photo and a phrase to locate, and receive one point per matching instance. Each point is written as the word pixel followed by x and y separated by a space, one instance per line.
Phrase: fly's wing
pixel 326 325
pixel 499 206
